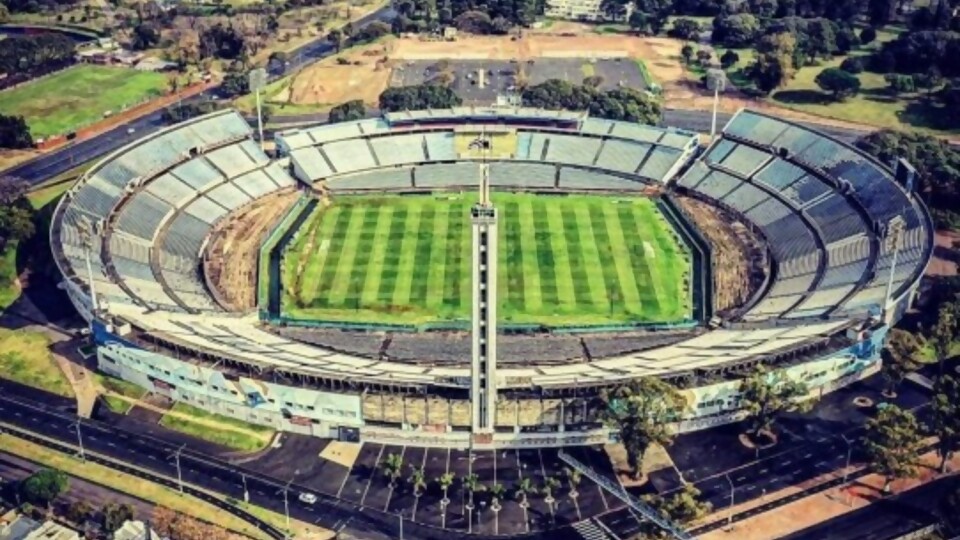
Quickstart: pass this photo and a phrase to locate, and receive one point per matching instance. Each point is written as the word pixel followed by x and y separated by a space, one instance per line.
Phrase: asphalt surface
pixel 14 469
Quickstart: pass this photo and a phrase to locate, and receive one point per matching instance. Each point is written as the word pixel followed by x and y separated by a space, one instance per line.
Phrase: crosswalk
pixel 590 530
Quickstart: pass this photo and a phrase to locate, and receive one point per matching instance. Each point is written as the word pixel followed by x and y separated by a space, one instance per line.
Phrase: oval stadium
pixel 364 280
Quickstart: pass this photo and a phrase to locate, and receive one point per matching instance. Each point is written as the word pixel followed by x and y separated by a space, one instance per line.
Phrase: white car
pixel 308 498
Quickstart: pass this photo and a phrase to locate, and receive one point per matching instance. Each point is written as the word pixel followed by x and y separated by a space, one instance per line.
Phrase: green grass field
pixel 567 260
pixel 25 358
pixel 235 434
pixel 79 96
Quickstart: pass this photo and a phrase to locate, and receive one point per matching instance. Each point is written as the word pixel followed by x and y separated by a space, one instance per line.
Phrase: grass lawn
pixel 237 434
pixel 78 96
pixel 9 287
pixel 269 98
pixel 133 485
pixel 119 386
pixel 117 405
pixel 26 359
pixel 873 105
pixel 563 261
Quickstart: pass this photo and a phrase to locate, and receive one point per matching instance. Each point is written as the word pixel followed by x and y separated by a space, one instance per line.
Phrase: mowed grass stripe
pixel 327 222
pixel 434 268
pixel 400 223
pixel 621 259
pixel 376 265
pixel 453 268
pixel 511 258
pixel 672 267
pixel 566 291
pixel 416 285
pixel 545 258
pixel 608 267
pixel 338 236
pixel 646 285
pixel 343 281
pixel 591 254
pixel 583 294
pixel 533 300
pixel 466 270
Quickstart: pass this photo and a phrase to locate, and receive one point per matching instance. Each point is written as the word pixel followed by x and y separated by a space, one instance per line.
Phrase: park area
pixel 571 260
pixel 78 96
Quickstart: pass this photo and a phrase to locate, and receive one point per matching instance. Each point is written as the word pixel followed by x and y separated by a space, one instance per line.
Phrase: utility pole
pixel 732 494
pixel 176 456
pixel 82 454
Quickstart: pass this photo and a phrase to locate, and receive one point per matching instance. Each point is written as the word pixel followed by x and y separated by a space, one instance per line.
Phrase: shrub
pixel 852 65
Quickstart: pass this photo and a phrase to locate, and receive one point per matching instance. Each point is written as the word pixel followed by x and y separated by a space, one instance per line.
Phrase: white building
pixel 581 10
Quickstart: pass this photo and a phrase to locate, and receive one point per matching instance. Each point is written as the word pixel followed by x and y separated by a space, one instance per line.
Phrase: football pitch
pixel 563 260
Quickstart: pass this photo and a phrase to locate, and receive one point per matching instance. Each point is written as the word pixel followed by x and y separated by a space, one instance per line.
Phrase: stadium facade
pixel 845 246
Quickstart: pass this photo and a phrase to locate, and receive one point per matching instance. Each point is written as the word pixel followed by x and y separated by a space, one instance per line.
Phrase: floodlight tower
pixel 716 81
pixel 483 366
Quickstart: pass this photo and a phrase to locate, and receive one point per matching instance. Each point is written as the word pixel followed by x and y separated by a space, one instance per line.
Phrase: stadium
pixel 327 290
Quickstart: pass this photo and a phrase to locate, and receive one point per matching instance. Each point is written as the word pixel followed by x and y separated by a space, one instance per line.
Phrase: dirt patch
pixel 330 82
pixel 230 263
pixel 945 256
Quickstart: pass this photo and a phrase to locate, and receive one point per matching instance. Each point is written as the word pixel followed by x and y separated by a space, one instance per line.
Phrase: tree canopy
pixel 838 82
pixel 900 357
pixel 428 14
pixel 640 411
pixel 765 395
pixel 893 443
pixel 616 104
pixel 43 486
pixel 945 417
pixel 16 213
pixel 738 30
pixel 682 507
pixel 424 96
pixel 14 132
pixel 350 110
pixel 937 164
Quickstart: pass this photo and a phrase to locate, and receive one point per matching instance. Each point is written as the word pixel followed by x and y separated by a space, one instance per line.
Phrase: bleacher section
pixel 380 179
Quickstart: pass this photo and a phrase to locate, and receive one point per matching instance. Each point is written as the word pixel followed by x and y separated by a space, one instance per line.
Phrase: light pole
pixel 176 456
pixel 717 79
pixel 286 499
pixel 400 515
pixel 82 454
pixel 246 493
pixel 732 494
pixel 846 468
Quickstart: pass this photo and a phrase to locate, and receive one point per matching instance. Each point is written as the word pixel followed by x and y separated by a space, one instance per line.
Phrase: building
pixel 135 530
pixel 16 526
pixel 581 10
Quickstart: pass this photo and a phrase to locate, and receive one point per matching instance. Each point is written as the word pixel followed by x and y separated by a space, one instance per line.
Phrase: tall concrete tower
pixel 483 373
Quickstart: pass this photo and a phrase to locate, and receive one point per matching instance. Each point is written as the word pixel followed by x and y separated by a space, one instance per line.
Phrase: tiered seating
pixel 538 143
pixel 526 175
pixel 745 197
pixel 620 155
pixel 334 132
pixel 228 196
pixel 168 188
pixel 380 179
pixel 571 149
pixel 310 164
pixel 744 160
pixel 256 184
pixel 96 197
pixel 636 132
pixel 659 163
pixel 446 175
pixel 440 146
pixel 142 215
pixel 348 156
pixel 596 126
pixel 232 160
pixel 205 209
pixel 524 142
pixel 198 174
pixel 574 178
pixel 397 149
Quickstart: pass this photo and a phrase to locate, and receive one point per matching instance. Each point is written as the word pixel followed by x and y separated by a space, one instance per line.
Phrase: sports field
pixel 77 96
pixel 564 260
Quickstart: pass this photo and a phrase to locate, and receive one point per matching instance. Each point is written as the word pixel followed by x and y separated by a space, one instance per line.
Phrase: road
pixel 14 469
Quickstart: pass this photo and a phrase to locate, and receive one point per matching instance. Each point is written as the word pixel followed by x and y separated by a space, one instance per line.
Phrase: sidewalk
pixel 811 510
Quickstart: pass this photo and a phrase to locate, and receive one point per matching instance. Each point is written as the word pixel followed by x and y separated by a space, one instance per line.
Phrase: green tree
pixel 765 395
pixel 640 410
pixel 687 53
pixel 682 508
pixel 573 479
pixel 852 64
pixel 737 30
pixel 14 132
pixel 944 332
pixel 774 64
pixel 893 443
pixel 44 486
pixel 392 467
pixel 703 57
pixel 729 59
pixel 523 490
pixel 685 29
pixel 900 84
pixel 471 483
pixel 900 358
pixel 868 35
pixel 79 512
pixel 335 36
pixel 838 82
pixel 348 111
pixel 445 481
pixel 16 213
pixel 115 515
pixel 417 479
pixel 945 417
pixel 497 491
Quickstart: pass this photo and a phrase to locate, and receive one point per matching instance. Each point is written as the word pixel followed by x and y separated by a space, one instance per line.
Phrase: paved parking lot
pixel 481 81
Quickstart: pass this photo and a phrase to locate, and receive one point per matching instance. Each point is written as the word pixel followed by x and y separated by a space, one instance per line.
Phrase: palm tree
pixel 391 468
pixel 445 481
pixel 550 484
pixel 524 488
pixel 573 479
pixel 497 492
pixel 471 483
pixel 418 480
